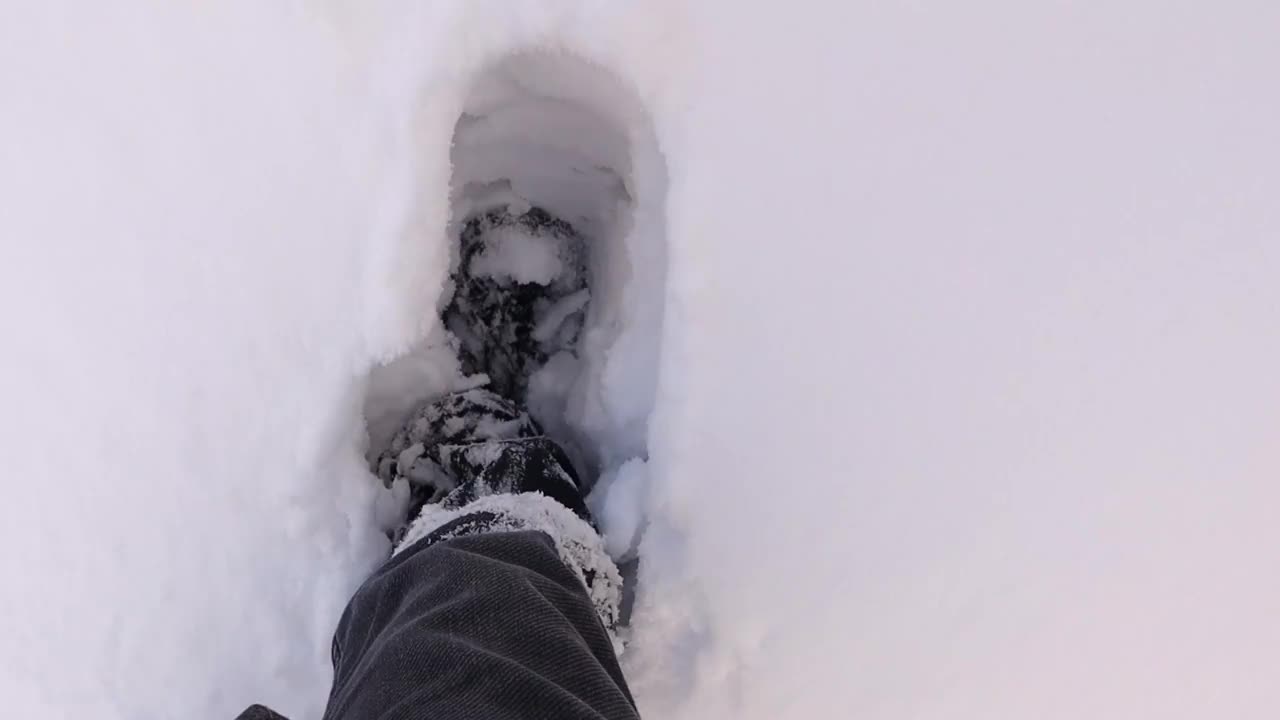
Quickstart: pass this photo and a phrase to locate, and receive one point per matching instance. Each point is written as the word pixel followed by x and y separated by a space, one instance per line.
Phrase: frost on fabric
pixel 577 543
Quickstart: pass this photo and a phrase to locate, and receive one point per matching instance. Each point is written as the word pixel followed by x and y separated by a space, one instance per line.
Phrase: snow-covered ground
pixel 930 369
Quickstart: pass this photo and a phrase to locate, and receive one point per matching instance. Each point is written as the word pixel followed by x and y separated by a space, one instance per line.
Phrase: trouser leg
pixel 491 625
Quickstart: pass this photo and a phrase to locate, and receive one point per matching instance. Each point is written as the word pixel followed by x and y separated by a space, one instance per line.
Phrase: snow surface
pixel 940 339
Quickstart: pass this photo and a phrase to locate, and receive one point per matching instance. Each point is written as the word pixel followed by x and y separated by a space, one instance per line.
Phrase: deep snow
pixel 929 372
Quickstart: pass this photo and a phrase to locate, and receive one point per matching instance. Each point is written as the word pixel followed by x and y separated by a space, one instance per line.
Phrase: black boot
pixel 472 444
pixel 520 296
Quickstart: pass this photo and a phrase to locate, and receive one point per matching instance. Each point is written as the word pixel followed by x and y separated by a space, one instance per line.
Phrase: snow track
pixel 552 130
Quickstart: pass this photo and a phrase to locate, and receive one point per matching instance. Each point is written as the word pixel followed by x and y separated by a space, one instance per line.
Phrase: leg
pixel 489 625
pixel 499 598
pixel 497 601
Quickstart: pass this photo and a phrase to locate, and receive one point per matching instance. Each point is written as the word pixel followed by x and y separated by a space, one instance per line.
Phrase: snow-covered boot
pixel 475 461
pixel 520 295
pixel 474 444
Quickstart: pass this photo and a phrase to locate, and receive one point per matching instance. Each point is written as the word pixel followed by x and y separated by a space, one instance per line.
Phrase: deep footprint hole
pixel 552 132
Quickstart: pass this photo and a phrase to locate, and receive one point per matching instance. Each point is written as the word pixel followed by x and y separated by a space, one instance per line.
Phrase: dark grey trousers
pixel 489 626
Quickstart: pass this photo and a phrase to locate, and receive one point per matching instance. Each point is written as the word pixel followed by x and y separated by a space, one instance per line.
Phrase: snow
pixel 618 504
pixel 928 369
pixel 519 257
pixel 553 321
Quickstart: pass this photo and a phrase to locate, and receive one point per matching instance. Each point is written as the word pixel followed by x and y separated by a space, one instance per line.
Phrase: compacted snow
pixel 928 367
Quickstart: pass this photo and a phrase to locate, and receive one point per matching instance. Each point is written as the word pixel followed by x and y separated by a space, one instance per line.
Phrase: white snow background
pixel 934 353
